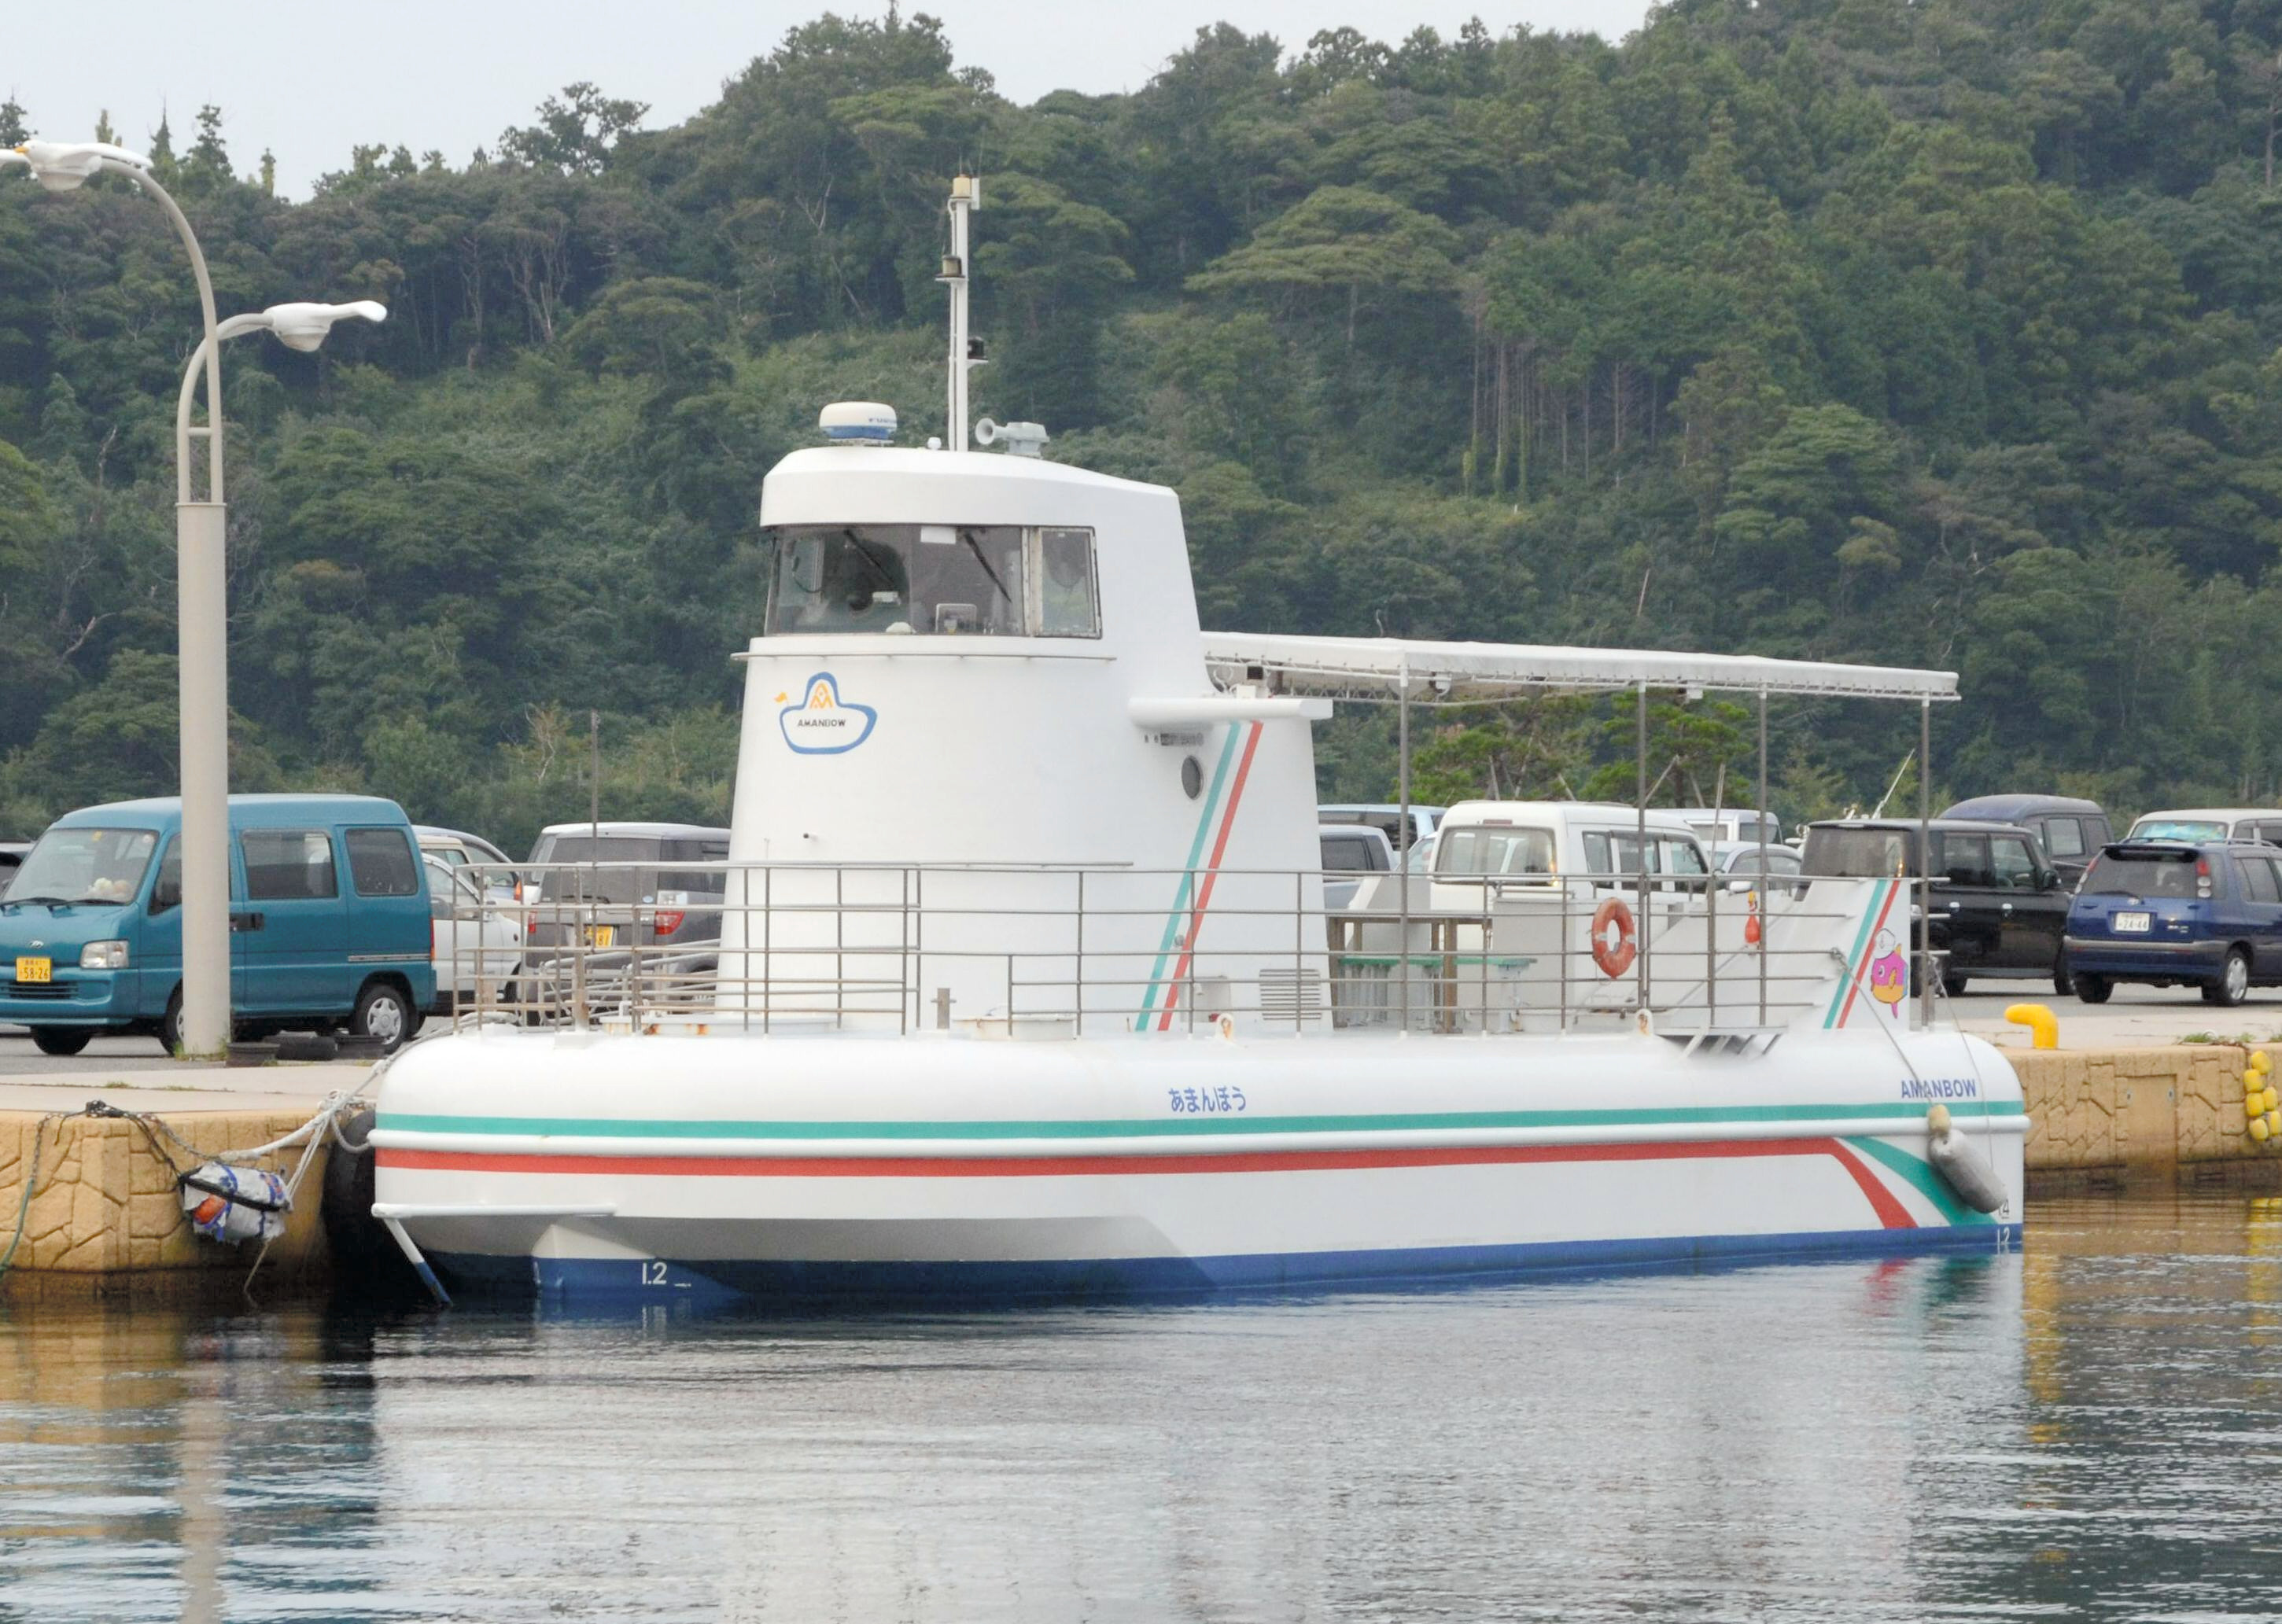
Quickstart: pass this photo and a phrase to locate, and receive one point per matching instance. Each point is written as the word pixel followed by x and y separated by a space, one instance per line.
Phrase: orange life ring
pixel 1613 956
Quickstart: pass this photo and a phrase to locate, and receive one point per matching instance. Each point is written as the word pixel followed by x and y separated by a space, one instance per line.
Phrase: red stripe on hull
pixel 1212 874
pixel 1869 946
pixel 1891 1212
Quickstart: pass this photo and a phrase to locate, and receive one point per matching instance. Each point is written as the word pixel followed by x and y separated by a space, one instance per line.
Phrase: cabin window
pixel 1490 849
pixel 1679 857
pixel 2063 837
pixel 932 580
pixel 1066 604
pixel 381 864
pixel 1965 860
pixel 288 864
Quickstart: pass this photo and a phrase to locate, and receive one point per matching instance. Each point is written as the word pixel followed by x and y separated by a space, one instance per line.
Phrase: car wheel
pixel 1952 986
pixel 62 1040
pixel 2093 989
pixel 170 1024
pixel 384 1014
pixel 2063 983
pixel 2233 983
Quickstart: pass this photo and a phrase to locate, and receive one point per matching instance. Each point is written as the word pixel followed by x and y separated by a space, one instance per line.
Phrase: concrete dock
pixel 2174 1111
pixel 106 1212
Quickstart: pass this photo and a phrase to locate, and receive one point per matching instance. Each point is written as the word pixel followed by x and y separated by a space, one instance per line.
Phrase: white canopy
pixel 1378 668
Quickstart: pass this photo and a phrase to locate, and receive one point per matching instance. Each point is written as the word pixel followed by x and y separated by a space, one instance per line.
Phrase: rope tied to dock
pixel 31 1183
pixel 323 1125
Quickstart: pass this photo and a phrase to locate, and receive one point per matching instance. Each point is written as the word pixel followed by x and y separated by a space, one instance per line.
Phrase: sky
pixel 309 81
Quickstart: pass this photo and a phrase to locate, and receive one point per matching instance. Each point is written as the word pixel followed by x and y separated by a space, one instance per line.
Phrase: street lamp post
pixel 201 528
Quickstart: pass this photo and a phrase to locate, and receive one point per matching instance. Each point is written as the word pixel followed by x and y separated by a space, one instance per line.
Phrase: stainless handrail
pixel 900 936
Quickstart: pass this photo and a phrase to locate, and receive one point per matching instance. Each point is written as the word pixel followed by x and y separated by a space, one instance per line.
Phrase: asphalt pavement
pixel 21 1057
pixel 2133 1017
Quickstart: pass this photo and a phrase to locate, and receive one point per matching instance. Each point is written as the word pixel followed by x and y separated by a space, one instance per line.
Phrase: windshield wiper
pixel 864 552
pixel 967 537
pixel 50 902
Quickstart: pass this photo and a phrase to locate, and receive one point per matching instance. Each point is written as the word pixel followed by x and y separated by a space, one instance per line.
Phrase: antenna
pixel 966 195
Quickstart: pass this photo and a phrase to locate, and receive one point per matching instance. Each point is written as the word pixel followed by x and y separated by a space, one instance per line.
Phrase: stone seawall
pixel 2138 1110
pixel 106 1207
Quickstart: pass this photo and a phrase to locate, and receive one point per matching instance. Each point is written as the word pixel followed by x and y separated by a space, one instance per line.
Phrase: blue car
pixel 2178 913
pixel 328 922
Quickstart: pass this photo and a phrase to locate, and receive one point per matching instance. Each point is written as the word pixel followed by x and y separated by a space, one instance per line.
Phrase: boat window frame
pixel 1039 618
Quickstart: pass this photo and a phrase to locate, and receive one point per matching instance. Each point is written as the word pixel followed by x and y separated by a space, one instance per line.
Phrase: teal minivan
pixel 328 922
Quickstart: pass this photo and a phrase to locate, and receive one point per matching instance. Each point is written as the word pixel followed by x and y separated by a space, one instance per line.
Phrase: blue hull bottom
pixel 718 1283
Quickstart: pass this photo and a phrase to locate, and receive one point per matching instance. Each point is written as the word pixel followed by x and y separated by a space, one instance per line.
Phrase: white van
pixel 2211 823
pixel 1737 824
pixel 1510 907
pixel 1524 841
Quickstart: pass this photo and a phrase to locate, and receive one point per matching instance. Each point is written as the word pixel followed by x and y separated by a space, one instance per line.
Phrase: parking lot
pixel 2135 1016
pixel 19 1058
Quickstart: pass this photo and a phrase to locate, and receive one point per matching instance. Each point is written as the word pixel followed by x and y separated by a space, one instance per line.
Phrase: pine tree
pixel 162 152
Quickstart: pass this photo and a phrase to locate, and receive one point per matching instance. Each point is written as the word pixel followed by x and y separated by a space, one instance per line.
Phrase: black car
pixel 2071 831
pixel 1999 907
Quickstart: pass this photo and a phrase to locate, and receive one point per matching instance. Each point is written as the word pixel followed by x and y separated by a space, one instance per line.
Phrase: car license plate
pixel 2134 924
pixel 602 935
pixel 35 970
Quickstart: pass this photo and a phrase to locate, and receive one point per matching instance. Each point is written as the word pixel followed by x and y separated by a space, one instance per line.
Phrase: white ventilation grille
pixel 1293 994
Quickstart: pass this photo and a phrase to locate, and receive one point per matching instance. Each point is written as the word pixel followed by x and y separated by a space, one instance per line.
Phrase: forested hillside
pixel 1937 333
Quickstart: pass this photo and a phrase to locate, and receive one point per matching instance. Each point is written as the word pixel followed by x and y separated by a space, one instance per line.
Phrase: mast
pixel 966 194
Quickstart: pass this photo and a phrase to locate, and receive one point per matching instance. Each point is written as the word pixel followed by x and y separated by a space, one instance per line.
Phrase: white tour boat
pixel 1025 986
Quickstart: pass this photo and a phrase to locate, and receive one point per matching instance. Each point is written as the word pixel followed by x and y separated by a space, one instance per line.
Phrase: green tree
pixel 577 132
pixel 1342 244
pixel 1792 504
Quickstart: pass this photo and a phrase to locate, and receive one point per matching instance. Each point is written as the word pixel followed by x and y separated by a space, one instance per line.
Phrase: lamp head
pixel 303 327
pixel 65 165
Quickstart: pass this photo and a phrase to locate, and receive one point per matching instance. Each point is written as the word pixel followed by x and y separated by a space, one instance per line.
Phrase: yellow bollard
pixel 2039 1019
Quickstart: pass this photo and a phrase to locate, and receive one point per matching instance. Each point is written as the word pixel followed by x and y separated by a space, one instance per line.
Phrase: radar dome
pixel 857 422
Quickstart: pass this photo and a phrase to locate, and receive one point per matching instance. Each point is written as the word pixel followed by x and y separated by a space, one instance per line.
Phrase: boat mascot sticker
pixel 823 723
pixel 1889 975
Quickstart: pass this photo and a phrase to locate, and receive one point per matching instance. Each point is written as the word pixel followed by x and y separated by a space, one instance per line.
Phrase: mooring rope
pixel 31 1182
pixel 323 1125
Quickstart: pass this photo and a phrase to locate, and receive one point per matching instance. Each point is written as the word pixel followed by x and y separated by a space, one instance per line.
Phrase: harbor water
pixel 2092 1429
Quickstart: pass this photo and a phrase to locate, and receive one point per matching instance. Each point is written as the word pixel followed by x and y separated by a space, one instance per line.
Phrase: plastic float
pixel 1025 986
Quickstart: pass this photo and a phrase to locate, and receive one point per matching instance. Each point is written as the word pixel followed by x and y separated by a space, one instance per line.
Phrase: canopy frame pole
pixel 1711 884
pixel 1403 856
pixel 1640 811
pixel 1925 865
pixel 1767 891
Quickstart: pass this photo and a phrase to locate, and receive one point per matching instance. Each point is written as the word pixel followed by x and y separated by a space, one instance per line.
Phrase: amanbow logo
pixel 823 723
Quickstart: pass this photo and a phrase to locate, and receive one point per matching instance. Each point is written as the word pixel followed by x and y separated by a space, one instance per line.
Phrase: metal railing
pixel 1004 950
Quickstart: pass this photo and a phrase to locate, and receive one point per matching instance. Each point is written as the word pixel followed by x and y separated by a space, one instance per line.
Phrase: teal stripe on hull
pixel 1922 1178
pixel 1187 878
pixel 1900 1114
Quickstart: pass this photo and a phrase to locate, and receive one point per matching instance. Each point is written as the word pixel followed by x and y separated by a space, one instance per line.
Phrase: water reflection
pixel 2083 1431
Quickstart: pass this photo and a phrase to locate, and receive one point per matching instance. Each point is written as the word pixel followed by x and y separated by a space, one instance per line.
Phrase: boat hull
pixel 790 1169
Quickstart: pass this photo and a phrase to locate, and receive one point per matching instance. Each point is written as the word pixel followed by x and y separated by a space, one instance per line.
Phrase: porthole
pixel 1193 777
